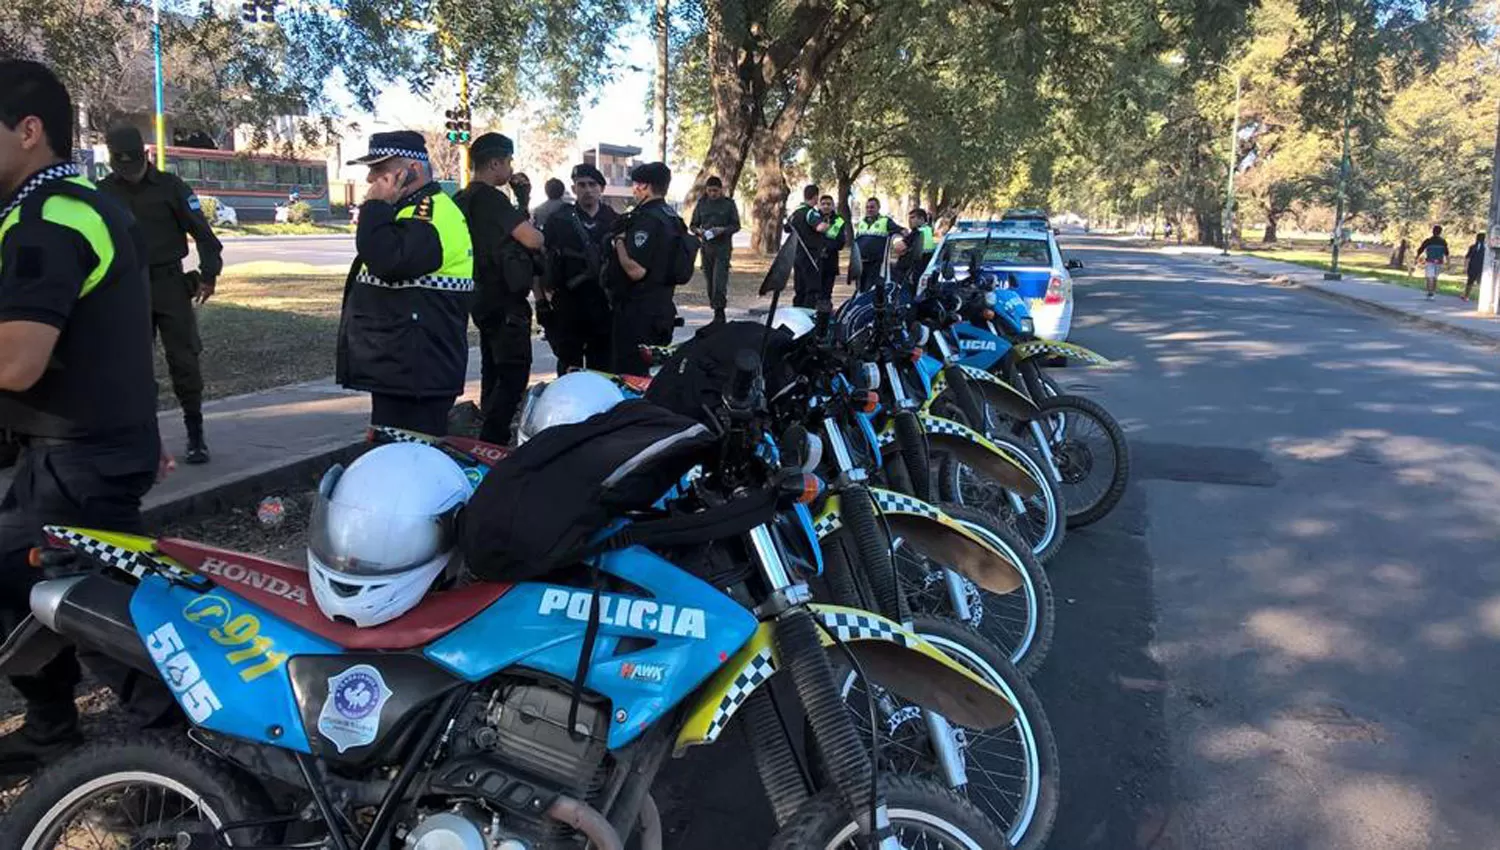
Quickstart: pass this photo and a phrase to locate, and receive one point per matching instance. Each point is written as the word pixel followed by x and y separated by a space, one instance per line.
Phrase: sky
pixel 618 117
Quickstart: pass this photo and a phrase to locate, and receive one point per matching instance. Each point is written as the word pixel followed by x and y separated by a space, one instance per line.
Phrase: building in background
pixel 614 162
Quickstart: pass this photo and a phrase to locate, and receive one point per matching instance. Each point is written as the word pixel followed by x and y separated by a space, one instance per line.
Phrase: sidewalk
pixel 1443 312
pixel 289 435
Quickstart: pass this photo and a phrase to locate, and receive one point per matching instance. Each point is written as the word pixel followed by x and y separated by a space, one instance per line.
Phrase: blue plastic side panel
pixel 867 427
pixel 805 520
pixel 981 349
pixel 540 627
pixel 929 367
pixel 224 659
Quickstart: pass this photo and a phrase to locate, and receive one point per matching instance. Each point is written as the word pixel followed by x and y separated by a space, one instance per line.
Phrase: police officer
pixel 167 211
pixel 576 236
pixel 403 335
pixel 554 190
pixel 808 225
pixel 76 383
pixel 872 235
pixel 503 244
pixel 715 221
pixel 833 243
pixel 920 245
pixel 640 281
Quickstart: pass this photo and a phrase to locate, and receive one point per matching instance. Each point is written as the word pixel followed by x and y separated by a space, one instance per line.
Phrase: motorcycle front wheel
pixel 1088 446
pixel 135 791
pixel 922 815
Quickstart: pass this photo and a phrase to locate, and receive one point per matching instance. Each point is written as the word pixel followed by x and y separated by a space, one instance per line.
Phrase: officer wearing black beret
pixel 503 244
pixel 640 271
pixel 577 253
pixel 403 335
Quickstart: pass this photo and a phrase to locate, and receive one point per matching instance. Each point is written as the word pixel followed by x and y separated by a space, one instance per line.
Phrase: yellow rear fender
pixel 975 451
pixel 1049 347
pixel 130 553
pixel 892 656
pixel 1003 398
pixel 935 534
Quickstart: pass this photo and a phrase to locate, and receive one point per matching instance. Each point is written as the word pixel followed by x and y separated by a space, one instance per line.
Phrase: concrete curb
pixel 1311 286
pixel 214 496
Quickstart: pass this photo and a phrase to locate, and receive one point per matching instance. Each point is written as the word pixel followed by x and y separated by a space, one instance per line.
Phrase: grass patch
pixel 1365 262
pixel 303 229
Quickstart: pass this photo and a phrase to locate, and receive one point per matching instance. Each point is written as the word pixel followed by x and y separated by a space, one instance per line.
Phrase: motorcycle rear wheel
pixel 107 790
pixel 922 814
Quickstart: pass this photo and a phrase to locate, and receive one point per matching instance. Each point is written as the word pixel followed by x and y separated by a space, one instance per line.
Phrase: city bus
pixel 253 184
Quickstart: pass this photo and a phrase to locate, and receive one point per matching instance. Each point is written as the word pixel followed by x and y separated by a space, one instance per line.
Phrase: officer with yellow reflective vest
pixel 403 335
pixel 76 383
pixel 834 239
pixel 920 245
pixel 872 235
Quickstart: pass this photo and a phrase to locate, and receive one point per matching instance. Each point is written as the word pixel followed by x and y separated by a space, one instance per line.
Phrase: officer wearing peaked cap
pixel 403 335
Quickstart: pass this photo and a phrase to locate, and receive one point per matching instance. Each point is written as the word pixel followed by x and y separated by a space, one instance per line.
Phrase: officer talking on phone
pixel 403 334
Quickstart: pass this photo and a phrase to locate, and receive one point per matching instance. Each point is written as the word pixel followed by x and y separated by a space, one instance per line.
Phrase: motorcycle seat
pixel 283 590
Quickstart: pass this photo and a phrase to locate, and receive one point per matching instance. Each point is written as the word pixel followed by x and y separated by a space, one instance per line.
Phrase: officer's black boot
pixel 197 449
pixel 719 315
pixel 49 732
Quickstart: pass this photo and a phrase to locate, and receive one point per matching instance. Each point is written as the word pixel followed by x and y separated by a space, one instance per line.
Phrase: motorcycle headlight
pixel 871 374
pixel 989 298
pixel 1028 325
pixel 924 333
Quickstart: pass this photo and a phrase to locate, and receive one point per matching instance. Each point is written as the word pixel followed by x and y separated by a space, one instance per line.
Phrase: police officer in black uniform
pixel 640 282
pixel 403 334
pixel 577 252
pixel 808 225
pixel 503 244
pixel 167 211
pixel 76 384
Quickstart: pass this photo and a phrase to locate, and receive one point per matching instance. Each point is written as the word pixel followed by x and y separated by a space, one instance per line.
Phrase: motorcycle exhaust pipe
pixel 93 612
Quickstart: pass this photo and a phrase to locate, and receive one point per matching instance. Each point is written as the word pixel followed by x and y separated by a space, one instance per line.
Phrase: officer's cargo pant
pixel 807 281
pixel 641 319
pixel 96 483
pixel 505 368
pixel 828 271
pixel 175 321
pixel 716 273
pixel 580 328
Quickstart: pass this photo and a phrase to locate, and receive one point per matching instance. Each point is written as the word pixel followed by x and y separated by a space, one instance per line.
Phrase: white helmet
pixel 383 531
pixel 798 320
pixel 572 398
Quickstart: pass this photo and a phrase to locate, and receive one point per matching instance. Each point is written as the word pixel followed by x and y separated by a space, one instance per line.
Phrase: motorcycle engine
pixel 463 827
pixel 521 730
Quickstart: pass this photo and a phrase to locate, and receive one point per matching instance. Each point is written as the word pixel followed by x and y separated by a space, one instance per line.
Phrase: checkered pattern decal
pixel 115 556
pixel 887 500
pixel 756 670
pixel 1043 346
pixel 401 435
pixel 401 152
pixel 939 425
pixel 827 524
pixel 888 435
pixel 61 171
pixel 426 281
pixel 858 625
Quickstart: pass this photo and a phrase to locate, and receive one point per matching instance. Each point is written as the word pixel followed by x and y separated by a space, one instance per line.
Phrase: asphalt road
pixel 312 250
pixel 1286 634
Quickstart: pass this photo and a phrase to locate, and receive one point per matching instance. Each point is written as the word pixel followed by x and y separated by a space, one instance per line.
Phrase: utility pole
pixel 663 45
pixel 1234 161
pixel 1489 286
pixel 1338 216
pixel 160 119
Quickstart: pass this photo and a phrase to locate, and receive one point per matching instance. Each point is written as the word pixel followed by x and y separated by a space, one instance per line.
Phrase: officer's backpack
pixel 684 253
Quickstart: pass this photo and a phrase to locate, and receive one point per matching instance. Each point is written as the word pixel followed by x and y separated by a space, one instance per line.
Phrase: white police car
pixel 1029 255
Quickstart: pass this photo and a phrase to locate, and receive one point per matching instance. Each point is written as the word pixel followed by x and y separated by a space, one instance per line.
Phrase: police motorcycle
pixel 950 402
pixel 354 705
pixel 1080 444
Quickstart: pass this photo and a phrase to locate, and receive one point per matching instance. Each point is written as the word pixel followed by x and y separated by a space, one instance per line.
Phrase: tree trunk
pixel 771 191
pixel 845 187
pixel 932 202
pixel 735 116
pixel 1210 226
pixel 1270 235
pixel 663 38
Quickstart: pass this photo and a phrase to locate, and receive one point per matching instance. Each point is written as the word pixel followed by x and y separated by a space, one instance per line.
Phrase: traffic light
pixel 258 11
pixel 458 125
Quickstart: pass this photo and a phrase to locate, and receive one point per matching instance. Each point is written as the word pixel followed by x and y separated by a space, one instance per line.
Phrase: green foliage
pixel 210 207
pixel 300 212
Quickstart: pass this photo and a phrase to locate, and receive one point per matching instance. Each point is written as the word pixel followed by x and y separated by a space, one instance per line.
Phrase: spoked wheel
pixel 141 793
pixel 1021 622
pixel 1038 519
pixel 1092 458
pixel 923 816
pixel 1011 771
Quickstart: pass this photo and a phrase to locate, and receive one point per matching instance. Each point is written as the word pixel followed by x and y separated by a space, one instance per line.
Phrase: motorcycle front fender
pixel 1048 347
pixel 977 452
pixel 999 395
pixel 891 655
pixel 936 534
